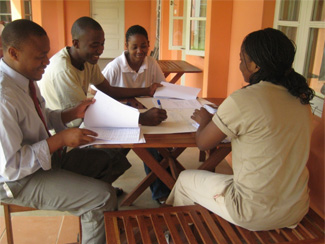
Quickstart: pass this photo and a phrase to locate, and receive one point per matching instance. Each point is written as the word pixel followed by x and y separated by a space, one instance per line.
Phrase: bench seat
pixel 195 224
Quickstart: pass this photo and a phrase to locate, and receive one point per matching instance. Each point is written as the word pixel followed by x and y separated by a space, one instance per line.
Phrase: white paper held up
pixel 169 90
pixel 107 112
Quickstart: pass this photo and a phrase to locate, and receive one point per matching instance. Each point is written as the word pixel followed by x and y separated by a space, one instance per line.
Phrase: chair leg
pixel 80 230
pixel 10 238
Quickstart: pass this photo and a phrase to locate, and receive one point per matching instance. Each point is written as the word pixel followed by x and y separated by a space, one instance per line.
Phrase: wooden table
pixel 170 146
pixel 177 66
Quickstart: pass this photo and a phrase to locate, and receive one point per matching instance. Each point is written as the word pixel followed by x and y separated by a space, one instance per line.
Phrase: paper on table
pixel 169 103
pixel 169 90
pixel 178 121
pixel 125 135
pixel 99 141
pixel 107 112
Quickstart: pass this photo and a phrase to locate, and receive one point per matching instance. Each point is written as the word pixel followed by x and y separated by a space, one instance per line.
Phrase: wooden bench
pixel 195 224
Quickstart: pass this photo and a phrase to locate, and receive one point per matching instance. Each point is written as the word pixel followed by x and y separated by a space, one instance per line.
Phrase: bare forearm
pixel 121 92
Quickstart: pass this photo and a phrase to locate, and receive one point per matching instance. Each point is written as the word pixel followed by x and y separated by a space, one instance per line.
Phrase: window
pixel 28 9
pixel 5 11
pixel 6 8
pixel 304 23
pixel 187 26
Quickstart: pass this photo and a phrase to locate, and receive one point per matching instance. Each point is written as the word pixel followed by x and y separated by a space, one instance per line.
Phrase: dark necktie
pixel 32 90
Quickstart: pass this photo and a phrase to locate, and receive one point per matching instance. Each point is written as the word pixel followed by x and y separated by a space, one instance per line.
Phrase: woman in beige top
pixel 269 123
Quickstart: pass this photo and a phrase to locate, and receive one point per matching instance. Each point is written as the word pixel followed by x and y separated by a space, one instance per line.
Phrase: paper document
pixel 169 90
pixel 150 102
pixel 112 120
pixel 107 112
pixel 178 121
pixel 99 141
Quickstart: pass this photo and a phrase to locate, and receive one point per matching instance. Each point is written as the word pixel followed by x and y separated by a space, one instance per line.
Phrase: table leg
pixel 147 181
pixel 215 158
pixel 150 161
pixel 176 78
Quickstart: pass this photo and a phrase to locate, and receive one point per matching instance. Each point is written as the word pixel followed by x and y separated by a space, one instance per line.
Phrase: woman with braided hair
pixel 269 123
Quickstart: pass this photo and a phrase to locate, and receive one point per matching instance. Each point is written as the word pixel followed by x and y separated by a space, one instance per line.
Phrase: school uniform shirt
pixel 64 86
pixel 23 146
pixel 119 73
pixel 270 133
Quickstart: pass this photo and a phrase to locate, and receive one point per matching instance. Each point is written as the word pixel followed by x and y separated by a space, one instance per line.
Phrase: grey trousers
pixel 85 192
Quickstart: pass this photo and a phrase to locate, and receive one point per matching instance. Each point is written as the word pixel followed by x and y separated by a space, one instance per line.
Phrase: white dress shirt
pixel 23 146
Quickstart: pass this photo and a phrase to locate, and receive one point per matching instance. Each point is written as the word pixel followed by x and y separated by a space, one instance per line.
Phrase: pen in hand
pixel 159 104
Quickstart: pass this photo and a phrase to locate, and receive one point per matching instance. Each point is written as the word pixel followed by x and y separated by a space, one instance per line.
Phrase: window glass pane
pixel 27 7
pixel 177 33
pixel 5 10
pixel 315 61
pixel 291 32
pixel 178 8
pixel 289 10
pixel 318 11
pixel 197 37
pixel 199 8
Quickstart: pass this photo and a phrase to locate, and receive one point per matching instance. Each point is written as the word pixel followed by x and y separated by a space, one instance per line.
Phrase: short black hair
pixel 82 24
pixel 19 31
pixel 135 29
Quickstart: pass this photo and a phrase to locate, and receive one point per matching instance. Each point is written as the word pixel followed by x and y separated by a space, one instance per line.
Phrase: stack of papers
pixel 169 90
pixel 179 102
pixel 114 122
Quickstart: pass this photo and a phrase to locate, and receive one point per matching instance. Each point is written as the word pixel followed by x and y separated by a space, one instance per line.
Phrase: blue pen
pixel 159 104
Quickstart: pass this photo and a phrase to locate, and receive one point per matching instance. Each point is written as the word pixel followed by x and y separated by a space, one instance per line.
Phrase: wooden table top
pixel 177 66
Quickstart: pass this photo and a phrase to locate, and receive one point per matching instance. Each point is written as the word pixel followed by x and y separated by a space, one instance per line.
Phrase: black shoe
pixel 119 191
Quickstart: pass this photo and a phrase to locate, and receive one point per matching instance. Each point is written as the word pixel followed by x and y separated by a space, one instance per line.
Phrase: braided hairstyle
pixel 274 53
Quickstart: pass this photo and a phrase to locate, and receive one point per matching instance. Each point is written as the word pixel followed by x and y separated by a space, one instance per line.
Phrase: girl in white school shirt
pixel 134 69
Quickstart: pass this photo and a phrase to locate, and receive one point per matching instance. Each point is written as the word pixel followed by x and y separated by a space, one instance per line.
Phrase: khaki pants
pixel 80 183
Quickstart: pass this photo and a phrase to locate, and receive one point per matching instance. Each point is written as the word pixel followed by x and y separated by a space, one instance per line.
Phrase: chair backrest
pixel 316 168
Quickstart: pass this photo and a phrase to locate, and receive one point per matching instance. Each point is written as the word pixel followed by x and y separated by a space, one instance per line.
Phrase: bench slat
pixel 186 228
pixel 172 228
pixel 143 229
pixel 157 226
pixel 128 227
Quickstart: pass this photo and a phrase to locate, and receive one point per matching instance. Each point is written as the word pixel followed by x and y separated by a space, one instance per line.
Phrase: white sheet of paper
pixel 167 103
pixel 178 104
pixel 178 121
pixel 107 112
pixel 130 135
pixel 169 90
pixel 99 141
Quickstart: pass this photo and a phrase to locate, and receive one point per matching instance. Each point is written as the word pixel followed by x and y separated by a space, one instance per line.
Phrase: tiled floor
pixel 51 227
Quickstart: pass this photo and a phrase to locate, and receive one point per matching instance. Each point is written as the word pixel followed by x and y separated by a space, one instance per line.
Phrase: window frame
pixel 304 24
pixel 186 32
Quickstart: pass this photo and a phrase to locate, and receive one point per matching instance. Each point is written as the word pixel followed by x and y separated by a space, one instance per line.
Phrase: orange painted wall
pixel 217 43
pixel 72 11
pixel 56 17
pixel 140 13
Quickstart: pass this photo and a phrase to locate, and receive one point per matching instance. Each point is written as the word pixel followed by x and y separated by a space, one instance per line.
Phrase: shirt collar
pixel 126 67
pixel 16 78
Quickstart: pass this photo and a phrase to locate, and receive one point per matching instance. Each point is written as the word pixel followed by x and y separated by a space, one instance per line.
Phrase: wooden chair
pixel 11 208
pixel 195 224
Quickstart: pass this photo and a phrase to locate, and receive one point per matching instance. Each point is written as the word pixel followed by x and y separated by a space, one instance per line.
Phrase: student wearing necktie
pixel 31 173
